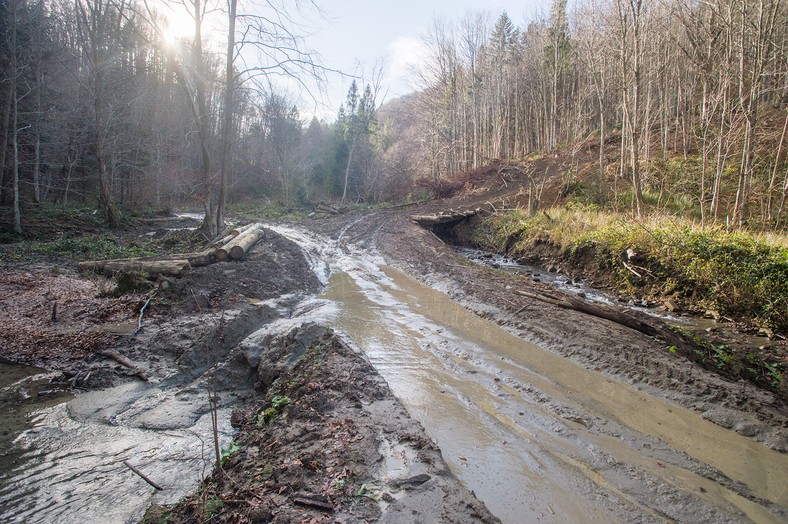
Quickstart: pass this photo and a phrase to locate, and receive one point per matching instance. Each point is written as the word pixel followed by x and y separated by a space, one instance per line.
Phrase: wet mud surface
pixel 675 420
pixel 142 399
pixel 414 379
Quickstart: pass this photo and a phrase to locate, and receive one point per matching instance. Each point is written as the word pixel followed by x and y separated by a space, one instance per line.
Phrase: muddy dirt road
pixel 547 415
pixel 617 431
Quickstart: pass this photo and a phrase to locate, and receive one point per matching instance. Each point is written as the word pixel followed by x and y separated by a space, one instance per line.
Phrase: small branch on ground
pixel 142 312
pixel 142 476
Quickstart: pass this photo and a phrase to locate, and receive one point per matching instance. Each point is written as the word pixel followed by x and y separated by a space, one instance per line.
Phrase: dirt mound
pixel 273 268
pixel 329 444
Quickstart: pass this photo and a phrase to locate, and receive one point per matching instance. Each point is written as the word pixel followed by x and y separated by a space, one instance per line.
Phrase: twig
pixel 199 309
pixel 120 359
pixel 142 312
pixel 142 476
pixel 631 270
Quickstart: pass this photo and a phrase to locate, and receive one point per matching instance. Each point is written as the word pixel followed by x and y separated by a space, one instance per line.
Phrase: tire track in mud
pixel 531 444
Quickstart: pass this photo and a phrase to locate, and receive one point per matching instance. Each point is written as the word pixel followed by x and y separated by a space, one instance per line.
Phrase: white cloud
pixel 406 53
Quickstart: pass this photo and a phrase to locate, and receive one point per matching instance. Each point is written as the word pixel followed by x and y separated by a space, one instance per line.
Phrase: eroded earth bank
pixel 375 375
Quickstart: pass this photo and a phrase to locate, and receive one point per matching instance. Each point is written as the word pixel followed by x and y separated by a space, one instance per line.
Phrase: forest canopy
pixel 98 105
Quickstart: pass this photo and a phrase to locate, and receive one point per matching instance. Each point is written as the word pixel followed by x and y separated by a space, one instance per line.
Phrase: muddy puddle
pixel 563 283
pixel 23 391
pixel 535 436
pixel 64 457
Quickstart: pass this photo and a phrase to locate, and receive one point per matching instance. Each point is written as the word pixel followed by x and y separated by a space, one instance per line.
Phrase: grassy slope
pixel 739 275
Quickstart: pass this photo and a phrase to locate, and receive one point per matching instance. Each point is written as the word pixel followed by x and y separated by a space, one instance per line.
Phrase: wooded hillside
pixel 683 98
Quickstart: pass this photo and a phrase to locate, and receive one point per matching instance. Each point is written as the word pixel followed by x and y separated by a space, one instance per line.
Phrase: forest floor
pixel 325 449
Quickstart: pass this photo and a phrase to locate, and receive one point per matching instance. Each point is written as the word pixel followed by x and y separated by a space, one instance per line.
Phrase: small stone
pixel 260 515
pixel 671 306
pixel 710 313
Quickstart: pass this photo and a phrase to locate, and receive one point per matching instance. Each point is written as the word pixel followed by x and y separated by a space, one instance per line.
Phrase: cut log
pixel 198 259
pixel 223 237
pixel 153 268
pixel 443 217
pixel 326 209
pixel 237 248
pixel 608 313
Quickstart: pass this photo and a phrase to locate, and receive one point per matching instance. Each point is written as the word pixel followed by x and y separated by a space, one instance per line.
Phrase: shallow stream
pixel 67 461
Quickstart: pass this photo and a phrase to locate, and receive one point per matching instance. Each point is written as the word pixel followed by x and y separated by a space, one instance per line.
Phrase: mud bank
pixel 596 344
pixel 142 398
pixel 329 443
pixel 501 386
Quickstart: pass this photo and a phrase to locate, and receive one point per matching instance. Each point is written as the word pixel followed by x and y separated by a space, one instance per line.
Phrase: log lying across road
pixel 235 247
pixel 597 310
pixel 443 217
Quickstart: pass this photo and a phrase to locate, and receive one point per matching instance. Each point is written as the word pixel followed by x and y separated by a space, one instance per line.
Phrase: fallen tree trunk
pixel 330 210
pixel 238 243
pixel 112 266
pixel 236 248
pixel 608 313
pixel 443 217
pixel 154 268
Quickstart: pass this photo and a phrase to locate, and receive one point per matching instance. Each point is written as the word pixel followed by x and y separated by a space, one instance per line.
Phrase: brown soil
pixel 595 343
pixel 324 457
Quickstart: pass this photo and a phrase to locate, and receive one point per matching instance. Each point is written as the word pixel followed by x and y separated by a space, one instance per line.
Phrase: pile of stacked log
pixel 233 245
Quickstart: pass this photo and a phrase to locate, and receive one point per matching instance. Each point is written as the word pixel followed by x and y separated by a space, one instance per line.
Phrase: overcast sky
pixel 360 33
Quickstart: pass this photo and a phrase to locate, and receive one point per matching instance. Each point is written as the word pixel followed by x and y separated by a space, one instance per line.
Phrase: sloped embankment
pixel 329 443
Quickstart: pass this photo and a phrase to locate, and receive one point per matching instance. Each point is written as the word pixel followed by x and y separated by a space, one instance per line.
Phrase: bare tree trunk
pixel 6 123
pixel 347 170
pixel 227 128
pixel 37 147
pixel 773 179
pixel 201 115
pixel 602 157
pixel 634 117
pixel 15 124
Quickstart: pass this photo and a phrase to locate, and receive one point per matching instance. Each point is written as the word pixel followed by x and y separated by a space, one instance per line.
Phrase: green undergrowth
pixel 253 211
pixel 739 275
pixel 753 366
pixel 83 247
pixel 100 245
